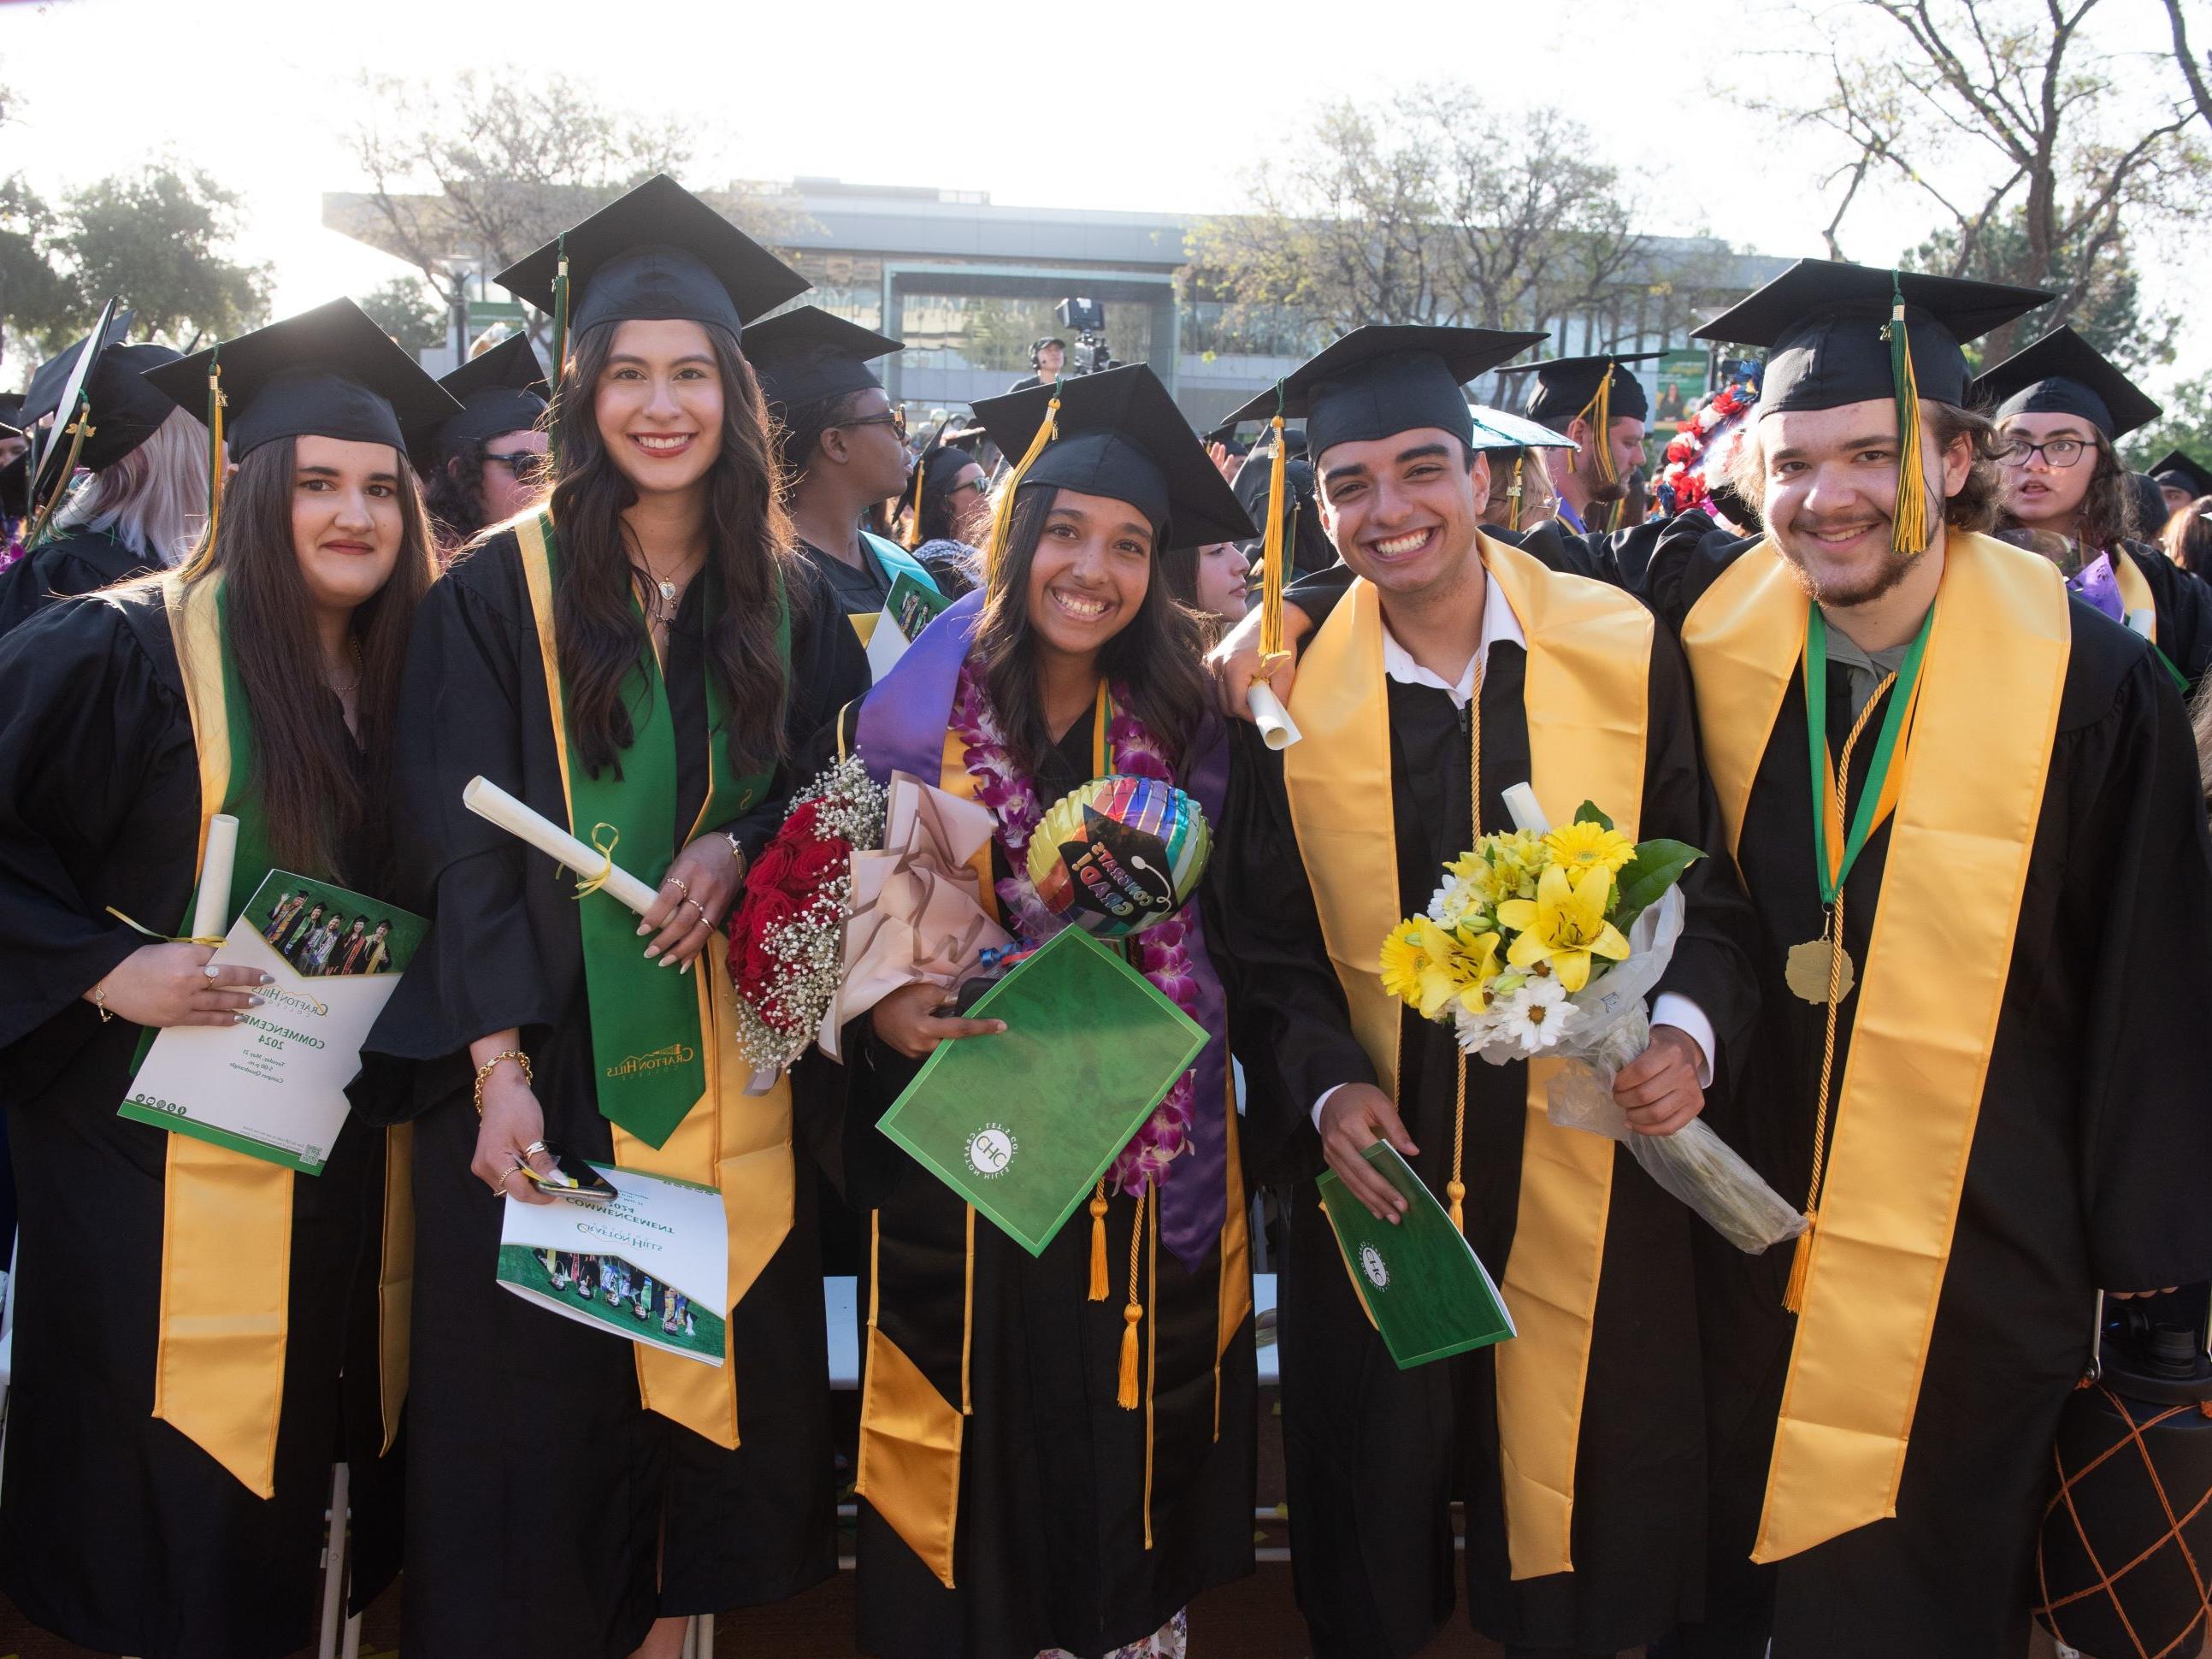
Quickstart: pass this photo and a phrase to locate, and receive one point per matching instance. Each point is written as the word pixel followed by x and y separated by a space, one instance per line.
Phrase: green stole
pixel 645 1029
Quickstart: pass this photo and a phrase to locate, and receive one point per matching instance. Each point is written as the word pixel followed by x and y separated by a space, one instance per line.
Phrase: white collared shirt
pixel 1499 623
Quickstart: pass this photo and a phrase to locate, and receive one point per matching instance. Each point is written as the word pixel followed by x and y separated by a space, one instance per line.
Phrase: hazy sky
pixel 1172 97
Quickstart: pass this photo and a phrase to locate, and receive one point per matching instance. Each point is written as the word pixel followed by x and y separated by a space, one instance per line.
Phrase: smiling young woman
pixel 1026 1488
pixel 633 661
pixel 165 1493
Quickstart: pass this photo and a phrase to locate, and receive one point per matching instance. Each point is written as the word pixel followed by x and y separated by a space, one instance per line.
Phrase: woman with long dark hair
pixel 197 1331
pixel 1026 1487
pixel 145 501
pixel 2059 408
pixel 632 662
pixel 487 463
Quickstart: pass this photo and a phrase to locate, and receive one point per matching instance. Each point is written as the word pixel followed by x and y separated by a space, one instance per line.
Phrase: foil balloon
pixel 1119 855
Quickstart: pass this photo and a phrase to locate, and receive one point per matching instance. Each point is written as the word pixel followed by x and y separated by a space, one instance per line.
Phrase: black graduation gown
pixel 538 1486
pixel 2184 611
pixel 1050 1543
pixel 1376 1455
pixel 2086 1169
pixel 75 561
pixel 116 1530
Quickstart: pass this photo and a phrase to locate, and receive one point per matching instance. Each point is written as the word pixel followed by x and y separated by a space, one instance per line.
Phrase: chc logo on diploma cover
pixel 675 1054
pixel 1372 1264
pixel 991 1149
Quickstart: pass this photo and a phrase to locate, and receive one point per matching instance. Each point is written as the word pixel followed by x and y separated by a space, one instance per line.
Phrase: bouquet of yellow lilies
pixel 1524 928
pixel 1547 942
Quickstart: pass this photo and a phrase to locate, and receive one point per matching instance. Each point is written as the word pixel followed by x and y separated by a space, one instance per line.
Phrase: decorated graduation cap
pixel 1388 378
pixel 1509 437
pixel 2061 373
pixel 1840 334
pixel 126 410
pixel 1119 434
pixel 2173 471
pixel 658 254
pixel 805 354
pixel 500 391
pixel 329 372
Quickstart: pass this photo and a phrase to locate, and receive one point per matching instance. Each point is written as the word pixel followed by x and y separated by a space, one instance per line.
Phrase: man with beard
pixel 1601 405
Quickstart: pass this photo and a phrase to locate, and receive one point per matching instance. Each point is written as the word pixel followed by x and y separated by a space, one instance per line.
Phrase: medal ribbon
pixel 1834 854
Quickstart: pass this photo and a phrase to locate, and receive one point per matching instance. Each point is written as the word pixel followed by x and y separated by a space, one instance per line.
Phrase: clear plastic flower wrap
pixel 1611 1027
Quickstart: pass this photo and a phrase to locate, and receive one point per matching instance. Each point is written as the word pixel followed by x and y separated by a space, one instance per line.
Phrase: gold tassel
pixel 216 404
pixel 1002 513
pixel 1098 1289
pixel 77 431
pixel 1909 529
pixel 1455 1188
pixel 913 538
pixel 1801 1267
pixel 1513 493
pixel 1126 1394
pixel 1599 413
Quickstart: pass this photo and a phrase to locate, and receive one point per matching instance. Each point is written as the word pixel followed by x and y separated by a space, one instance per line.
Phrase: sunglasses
pixel 528 465
pixel 894 418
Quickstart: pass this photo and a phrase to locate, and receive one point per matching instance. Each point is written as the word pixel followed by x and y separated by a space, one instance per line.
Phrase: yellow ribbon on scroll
pixel 1587 701
pixel 1929 994
pixel 736 1143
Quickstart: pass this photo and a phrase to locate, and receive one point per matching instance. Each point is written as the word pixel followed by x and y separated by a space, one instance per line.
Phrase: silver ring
pixel 671 881
pixel 213 973
pixel 534 1146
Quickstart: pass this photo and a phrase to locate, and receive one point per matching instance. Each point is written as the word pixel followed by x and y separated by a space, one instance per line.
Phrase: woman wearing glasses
pixel 2059 406
pixel 487 463
pixel 634 660
pixel 954 521
pixel 842 444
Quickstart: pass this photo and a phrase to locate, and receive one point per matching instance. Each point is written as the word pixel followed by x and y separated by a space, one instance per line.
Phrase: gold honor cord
pixel 1586 702
pixel 1455 1188
pixel 79 430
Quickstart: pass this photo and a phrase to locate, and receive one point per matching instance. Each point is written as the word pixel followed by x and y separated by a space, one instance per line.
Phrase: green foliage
pixel 2099 291
pixel 1645 879
pixel 405 309
pixel 2187 425
pixel 155 239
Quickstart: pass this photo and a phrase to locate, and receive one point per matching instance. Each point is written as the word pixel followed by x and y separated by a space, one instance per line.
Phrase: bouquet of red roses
pixel 787 933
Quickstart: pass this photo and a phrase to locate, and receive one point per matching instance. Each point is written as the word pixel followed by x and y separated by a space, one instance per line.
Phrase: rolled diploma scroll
pixel 211 908
pixel 495 805
pixel 1521 802
pixel 1277 729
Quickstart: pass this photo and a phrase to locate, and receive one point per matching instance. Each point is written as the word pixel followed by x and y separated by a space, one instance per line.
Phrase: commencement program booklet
pixel 1022 1125
pixel 652 1265
pixel 908 608
pixel 273 1085
pixel 1424 1286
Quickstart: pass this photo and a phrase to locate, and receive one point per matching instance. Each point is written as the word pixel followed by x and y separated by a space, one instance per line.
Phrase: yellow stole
pixel 1930 991
pixel 2134 590
pixel 227 1218
pixel 1586 702
pixel 910 1435
pixel 740 1144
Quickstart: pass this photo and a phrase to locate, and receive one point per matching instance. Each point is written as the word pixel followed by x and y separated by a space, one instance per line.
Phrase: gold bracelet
pixel 484 1071
pixel 99 1001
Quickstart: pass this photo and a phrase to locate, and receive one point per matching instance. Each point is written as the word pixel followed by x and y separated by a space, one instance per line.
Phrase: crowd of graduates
pixel 1903 649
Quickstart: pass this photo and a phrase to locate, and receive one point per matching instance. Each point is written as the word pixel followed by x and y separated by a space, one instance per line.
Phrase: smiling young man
pixel 842 447
pixel 1991 1103
pixel 2060 406
pixel 1457 661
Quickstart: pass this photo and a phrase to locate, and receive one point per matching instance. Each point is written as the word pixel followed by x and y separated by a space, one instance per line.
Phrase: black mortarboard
pixel 1386 378
pixel 1118 433
pixel 658 252
pixel 1226 435
pixel 2061 373
pixel 1826 325
pixel 11 414
pixel 124 409
pixel 805 354
pixel 329 372
pixel 2175 470
pixel 500 390
pixel 1567 389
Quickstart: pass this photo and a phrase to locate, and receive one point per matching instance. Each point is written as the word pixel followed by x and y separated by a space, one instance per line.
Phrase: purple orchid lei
pixel 1161 953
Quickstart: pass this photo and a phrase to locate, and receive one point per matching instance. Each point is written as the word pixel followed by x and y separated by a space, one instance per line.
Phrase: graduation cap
pixel 2061 373
pixel 933 472
pixel 1226 435
pixel 11 415
pixel 2175 471
pixel 1494 428
pixel 805 354
pixel 1386 378
pixel 502 389
pixel 1116 433
pixel 1597 389
pixel 329 372
pixel 656 254
pixel 1840 334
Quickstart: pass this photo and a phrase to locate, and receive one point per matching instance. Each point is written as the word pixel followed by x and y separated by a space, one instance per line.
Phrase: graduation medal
pixel 1821 970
